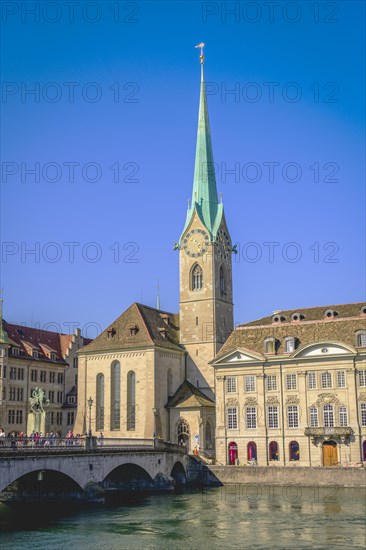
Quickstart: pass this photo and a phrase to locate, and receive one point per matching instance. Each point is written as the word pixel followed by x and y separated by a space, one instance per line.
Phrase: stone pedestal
pixel 36 422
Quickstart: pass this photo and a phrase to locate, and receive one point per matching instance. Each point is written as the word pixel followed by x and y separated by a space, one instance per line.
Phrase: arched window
pixel 183 433
pixel 131 400
pixel 364 450
pixel 100 402
pixel 197 278
pixel 294 450
pixel 328 416
pixel 222 281
pixel 169 382
pixel 252 450
pixel 361 339
pixel 208 436
pixel 115 396
pixel 233 453
pixel 273 450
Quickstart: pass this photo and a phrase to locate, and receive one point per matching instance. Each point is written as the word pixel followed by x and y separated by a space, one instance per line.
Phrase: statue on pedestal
pixel 37 414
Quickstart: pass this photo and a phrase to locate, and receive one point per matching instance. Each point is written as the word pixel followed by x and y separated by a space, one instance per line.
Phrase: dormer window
pixel 363 310
pixel 296 317
pixel 165 318
pixel 53 356
pixel 278 318
pixel 111 333
pixel 289 344
pixel 15 351
pixel 71 399
pixel 163 332
pixel 330 313
pixel 361 339
pixel 134 330
pixel 35 354
pixel 270 345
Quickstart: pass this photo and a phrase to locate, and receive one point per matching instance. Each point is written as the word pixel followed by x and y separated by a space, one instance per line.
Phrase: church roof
pixel 138 326
pixel 204 195
pixel 312 325
pixel 187 395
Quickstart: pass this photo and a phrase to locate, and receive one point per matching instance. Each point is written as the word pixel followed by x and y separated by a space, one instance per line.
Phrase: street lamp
pixel 90 404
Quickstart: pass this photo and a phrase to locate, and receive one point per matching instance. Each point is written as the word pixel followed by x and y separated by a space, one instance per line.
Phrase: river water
pixel 232 516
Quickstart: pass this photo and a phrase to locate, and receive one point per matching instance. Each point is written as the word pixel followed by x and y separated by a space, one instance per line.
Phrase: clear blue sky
pixel 293 130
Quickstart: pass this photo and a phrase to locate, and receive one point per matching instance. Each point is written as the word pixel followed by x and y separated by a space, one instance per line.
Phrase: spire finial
pixel 201 45
pixel 158 295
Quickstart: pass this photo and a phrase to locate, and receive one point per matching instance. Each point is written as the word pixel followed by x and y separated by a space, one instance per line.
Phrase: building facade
pixel 291 389
pixel 31 358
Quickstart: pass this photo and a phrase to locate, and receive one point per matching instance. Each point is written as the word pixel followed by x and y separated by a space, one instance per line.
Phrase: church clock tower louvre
pixel 205 258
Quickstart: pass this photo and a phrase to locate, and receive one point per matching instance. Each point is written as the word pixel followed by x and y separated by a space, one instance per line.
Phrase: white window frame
pixel 231 384
pixel 271 382
pixel 291 381
pixel 341 379
pixel 314 417
pixel 232 418
pixel 363 414
pixel 362 378
pixel 273 419
pixel 312 382
pixel 343 417
pixel 250 383
pixel 251 418
pixel 326 380
pixel 293 416
pixel 328 415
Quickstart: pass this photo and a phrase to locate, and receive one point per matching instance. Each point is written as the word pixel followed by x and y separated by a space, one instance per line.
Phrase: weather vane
pixel 201 46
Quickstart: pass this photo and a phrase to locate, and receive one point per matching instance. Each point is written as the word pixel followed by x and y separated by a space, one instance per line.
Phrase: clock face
pixel 195 243
pixel 223 245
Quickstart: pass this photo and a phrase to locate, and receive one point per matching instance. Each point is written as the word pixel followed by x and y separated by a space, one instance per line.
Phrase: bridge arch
pixel 178 473
pixel 44 482
pixel 128 473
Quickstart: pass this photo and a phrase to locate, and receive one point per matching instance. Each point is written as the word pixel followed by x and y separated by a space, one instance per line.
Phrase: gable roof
pixel 29 339
pixel 187 395
pixel 313 327
pixel 138 326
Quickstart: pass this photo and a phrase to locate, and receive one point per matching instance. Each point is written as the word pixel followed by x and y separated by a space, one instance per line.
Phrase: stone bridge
pixel 65 468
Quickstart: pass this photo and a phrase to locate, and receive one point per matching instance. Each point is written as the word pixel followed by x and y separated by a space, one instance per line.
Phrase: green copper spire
pixel 204 196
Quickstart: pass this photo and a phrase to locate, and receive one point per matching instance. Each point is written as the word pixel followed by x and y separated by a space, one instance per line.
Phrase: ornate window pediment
pixel 324 349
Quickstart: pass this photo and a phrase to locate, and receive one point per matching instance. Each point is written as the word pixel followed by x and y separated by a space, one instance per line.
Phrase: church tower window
pixel 197 277
pixel 222 281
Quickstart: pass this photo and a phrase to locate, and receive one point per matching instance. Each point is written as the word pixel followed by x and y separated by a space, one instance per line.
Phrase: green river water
pixel 232 516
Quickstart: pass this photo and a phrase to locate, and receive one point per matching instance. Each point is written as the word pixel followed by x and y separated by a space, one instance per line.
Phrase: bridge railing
pixel 20 445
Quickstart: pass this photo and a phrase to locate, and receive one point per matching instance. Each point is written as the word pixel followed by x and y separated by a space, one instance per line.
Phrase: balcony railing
pixel 335 431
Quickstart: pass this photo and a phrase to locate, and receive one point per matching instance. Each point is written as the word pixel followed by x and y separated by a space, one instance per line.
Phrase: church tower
pixel 205 258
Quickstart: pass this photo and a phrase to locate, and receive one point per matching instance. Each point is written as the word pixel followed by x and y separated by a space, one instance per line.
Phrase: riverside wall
pixel 282 475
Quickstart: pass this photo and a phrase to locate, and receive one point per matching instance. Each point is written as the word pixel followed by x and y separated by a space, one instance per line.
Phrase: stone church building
pixel 286 389
pixel 148 372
